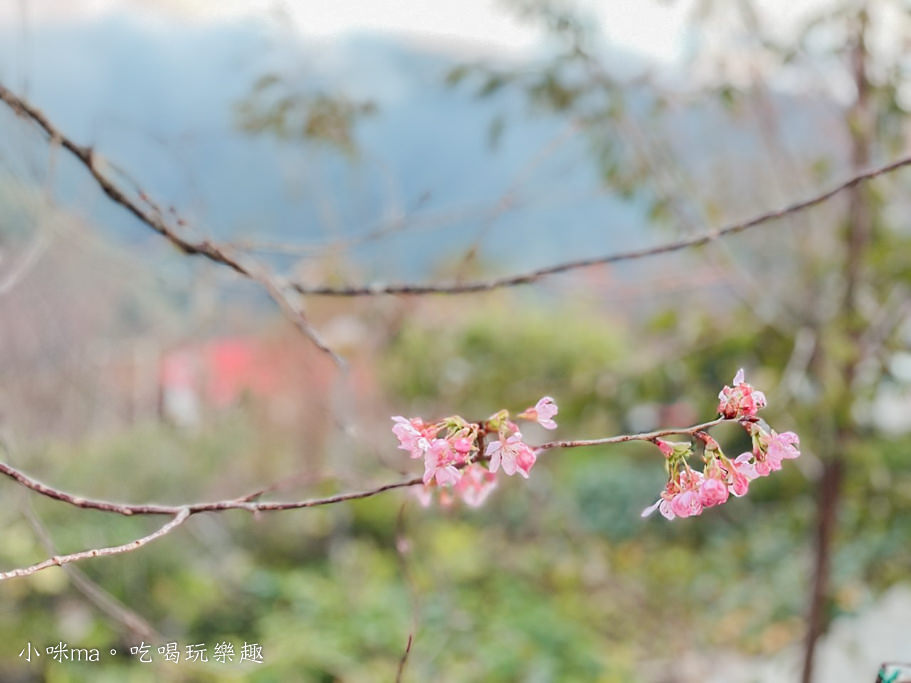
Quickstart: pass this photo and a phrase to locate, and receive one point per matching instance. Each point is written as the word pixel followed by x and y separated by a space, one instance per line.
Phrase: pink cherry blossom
pixel 687 504
pixel 714 491
pixel 512 454
pixel 765 467
pixel 663 506
pixel 742 473
pixel 439 463
pixel 475 485
pixel 462 445
pixel 525 460
pixel 782 446
pixel 740 400
pixel 410 435
pixel 542 413
pixel 680 497
pixel 424 494
pixel 771 448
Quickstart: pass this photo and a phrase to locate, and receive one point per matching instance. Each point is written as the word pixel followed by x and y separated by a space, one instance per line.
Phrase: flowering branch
pixel 455 451
pixel 450 449
pixel 689 491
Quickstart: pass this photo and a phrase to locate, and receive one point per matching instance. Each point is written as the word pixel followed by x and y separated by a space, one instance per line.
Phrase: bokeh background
pixel 451 141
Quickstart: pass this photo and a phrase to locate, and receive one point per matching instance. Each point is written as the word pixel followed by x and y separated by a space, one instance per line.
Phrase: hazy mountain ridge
pixel 159 101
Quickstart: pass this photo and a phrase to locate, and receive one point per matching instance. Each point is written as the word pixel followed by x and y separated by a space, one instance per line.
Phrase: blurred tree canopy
pixel 558 578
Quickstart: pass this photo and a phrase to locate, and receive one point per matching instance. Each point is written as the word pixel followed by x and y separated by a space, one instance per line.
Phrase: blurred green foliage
pixel 555 579
pixel 279 107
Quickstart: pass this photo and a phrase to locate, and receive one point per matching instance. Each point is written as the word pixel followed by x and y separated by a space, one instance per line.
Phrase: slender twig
pixel 194 508
pixel 511 196
pixel 404 659
pixel 153 217
pixel 298 479
pixel 60 560
pixel 225 256
pixel 294 312
pixel 97 595
pixel 535 275
pixel 623 438
pixel 403 549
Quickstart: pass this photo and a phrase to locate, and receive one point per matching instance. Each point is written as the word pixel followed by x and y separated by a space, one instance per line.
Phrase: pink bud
pixel 542 413
pixel 462 445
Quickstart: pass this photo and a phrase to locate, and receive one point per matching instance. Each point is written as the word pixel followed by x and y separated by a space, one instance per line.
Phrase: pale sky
pixel 645 26
pixel 655 29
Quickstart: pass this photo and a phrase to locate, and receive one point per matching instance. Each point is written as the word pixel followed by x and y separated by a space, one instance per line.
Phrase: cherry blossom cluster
pixel 688 491
pixel 454 451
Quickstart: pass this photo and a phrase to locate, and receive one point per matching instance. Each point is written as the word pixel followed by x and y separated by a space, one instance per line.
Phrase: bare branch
pixel 194 508
pixel 301 478
pixel 153 218
pixel 403 549
pixel 225 256
pixel 97 595
pixel 535 275
pixel 60 560
pixel 294 312
pixel 623 438
pixel 404 660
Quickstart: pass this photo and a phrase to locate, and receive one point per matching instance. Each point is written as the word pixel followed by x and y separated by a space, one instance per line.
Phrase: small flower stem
pixel 644 436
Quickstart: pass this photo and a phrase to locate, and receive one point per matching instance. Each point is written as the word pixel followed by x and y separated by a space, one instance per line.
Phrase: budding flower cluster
pixel 455 452
pixel 452 451
pixel 688 492
pixel 740 400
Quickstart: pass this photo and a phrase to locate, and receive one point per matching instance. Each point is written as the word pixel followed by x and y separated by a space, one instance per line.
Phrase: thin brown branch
pixel 294 312
pixel 224 255
pixel 153 218
pixel 299 479
pixel 245 502
pixel 623 438
pixel 535 275
pixel 60 560
pixel 97 595
pixel 403 550
pixel 410 221
pixel 194 508
pixel 404 660
pixel 94 593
